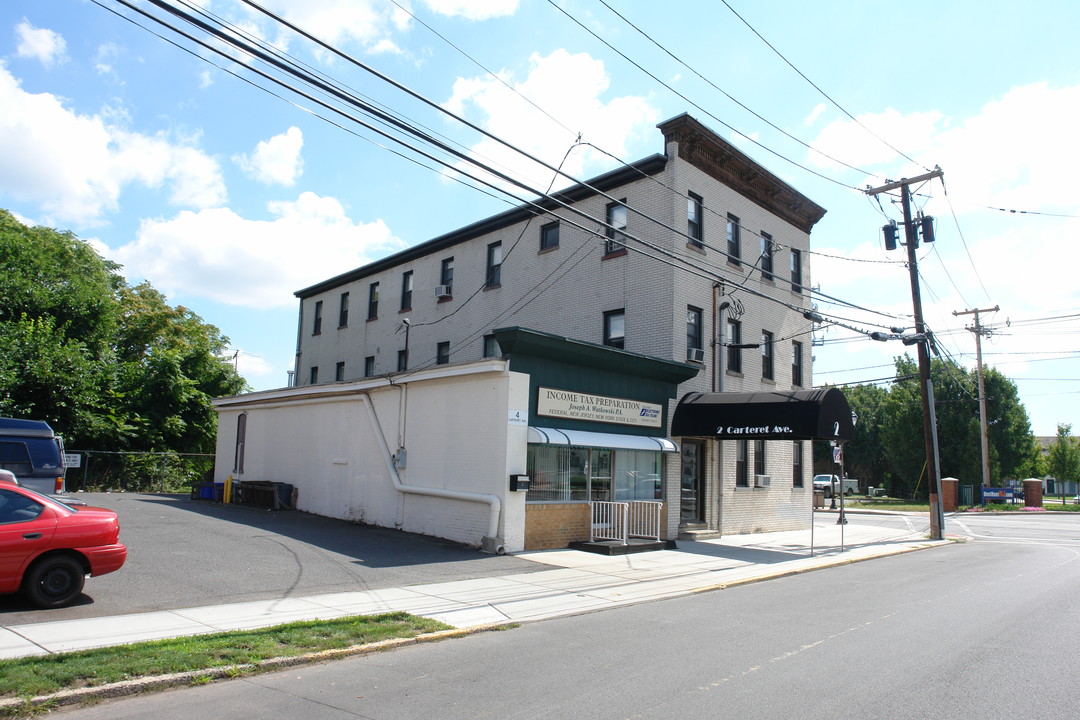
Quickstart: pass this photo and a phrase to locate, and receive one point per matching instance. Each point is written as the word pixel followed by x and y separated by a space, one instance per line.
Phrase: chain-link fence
pixel 100 470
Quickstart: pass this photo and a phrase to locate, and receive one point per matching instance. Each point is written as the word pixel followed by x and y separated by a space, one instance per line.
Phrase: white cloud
pixel 473 9
pixel 570 87
pixel 368 22
pixel 75 166
pixel 277 160
pixel 219 255
pixel 40 43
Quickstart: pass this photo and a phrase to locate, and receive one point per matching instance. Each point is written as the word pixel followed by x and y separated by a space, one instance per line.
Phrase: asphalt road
pixel 188 553
pixel 971 631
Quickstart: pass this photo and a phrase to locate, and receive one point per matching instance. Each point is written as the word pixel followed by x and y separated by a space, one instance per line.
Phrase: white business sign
pixel 597 408
pixel 72 460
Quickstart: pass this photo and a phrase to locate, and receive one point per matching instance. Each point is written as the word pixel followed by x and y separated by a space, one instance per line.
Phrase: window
pixel 373 301
pixel 369 366
pixel 494 264
pixel 766 256
pixel 796 465
pixel 561 473
pixel 343 311
pixel 766 355
pixel 316 326
pixel 446 274
pixel 491 347
pixel 733 243
pixel 241 440
pixel 339 371
pixel 759 457
pixel 314 377
pixel 693 220
pixel 616 219
pixel 402 360
pixel 16 508
pixel 442 353
pixel 796 270
pixel 549 236
pixel 406 290
pixel 741 449
pixel 693 328
pixel 615 328
pixel 734 352
pixel 796 363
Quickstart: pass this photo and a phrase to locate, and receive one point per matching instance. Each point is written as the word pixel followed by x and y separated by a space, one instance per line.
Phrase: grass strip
pixel 42 675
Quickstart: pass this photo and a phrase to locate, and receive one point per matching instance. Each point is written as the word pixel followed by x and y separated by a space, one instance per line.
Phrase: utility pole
pixel 984 435
pixel 926 389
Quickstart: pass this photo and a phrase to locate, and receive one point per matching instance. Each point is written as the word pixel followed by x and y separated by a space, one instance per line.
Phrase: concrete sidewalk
pixel 576 582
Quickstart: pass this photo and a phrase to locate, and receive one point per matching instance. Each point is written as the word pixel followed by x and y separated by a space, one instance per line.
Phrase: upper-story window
pixel 343 311
pixel 369 366
pixel 796 270
pixel 373 301
pixel 549 236
pixel 402 360
pixel 494 265
pixel 615 328
pixel 693 333
pixel 767 372
pixel 734 244
pixel 314 376
pixel 796 363
pixel 406 290
pixel 797 464
pixel 694 227
pixel 446 274
pixel 742 478
pixel 766 256
pixel 316 324
pixel 491 346
pixel 442 353
pixel 616 219
pixel 734 352
pixel 339 371
pixel 759 457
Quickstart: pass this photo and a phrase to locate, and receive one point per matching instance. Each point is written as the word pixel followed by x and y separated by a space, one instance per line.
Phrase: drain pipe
pixel 492 542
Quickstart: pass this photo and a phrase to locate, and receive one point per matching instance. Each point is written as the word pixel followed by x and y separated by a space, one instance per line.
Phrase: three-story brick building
pixel 554 341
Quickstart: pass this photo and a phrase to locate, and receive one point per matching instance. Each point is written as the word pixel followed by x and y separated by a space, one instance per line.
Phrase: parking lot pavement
pixel 190 553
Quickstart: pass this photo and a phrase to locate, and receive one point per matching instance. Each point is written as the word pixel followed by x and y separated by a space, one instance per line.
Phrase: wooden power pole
pixel 983 433
pixel 922 341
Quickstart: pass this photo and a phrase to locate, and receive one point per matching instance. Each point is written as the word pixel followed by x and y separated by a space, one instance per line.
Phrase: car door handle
pixel 31 536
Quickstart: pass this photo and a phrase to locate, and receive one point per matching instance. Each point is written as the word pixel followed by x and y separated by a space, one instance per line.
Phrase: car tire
pixel 54 581
pixel 849 492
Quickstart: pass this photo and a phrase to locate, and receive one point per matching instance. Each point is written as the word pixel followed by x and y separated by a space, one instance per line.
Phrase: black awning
pixel 822 414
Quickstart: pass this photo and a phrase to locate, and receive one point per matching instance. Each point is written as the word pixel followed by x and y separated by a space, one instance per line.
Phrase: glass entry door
pixel 692 495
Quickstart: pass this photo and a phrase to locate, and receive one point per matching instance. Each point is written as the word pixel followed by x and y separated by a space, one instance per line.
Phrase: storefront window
pixel 562 474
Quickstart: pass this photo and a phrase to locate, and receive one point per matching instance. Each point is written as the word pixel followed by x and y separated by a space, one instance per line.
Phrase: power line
pixel 823 93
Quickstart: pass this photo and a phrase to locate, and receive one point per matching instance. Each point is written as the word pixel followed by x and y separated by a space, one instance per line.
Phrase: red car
pixel 47 548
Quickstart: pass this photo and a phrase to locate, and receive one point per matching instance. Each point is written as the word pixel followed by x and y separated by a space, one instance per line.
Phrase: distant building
pixel 545 344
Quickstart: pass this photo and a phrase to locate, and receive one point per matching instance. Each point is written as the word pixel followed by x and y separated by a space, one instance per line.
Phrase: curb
pixel 800 571
pixel 11 707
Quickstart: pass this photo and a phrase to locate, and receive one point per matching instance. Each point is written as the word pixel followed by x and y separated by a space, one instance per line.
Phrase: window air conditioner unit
pixel 695 355
pixel 762 481
pixel 442 291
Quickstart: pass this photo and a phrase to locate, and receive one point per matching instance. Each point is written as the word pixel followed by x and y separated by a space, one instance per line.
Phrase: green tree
pixel 112 367
pixel 1064 460
pixel 864 457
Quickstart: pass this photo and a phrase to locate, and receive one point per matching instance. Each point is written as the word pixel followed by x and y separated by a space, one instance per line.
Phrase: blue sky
pixel 229 199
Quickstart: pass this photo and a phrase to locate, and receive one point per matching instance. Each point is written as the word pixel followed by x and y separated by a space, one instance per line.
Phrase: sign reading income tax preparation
pixel 597 408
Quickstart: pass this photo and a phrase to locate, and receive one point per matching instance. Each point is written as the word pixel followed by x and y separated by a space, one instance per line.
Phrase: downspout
pixel 492 501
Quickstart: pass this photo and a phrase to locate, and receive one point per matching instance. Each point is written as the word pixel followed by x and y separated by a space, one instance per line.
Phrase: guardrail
pixel 619 521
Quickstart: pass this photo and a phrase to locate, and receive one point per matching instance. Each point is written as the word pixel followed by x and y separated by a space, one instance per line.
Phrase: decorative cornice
pixel 704 149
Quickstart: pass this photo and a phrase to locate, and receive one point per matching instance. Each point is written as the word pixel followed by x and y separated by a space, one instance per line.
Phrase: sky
pixel 178 164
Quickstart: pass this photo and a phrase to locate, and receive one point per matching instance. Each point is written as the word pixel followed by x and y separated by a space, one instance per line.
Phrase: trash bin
pixel 819 499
